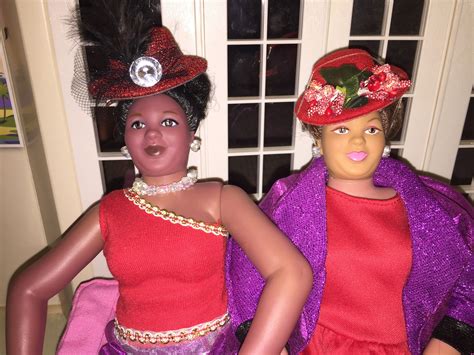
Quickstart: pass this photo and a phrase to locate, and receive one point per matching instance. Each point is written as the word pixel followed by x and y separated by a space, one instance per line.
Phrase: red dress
pixel 170 269
pixel 367 264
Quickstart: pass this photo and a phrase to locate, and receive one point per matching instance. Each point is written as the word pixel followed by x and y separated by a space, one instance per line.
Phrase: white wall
pixel 22 233
pixel 38 188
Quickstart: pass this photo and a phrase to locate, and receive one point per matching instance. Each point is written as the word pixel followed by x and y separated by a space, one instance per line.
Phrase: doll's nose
pixel 358 139
pixel 152 134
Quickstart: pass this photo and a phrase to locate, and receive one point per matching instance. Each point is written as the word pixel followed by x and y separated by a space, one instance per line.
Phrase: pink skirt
pixel 326 341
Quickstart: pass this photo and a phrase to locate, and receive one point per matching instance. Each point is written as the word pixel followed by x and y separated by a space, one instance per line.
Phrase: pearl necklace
pixel 142 188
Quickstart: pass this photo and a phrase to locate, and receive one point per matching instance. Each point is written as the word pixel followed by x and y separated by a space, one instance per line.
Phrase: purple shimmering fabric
pixel 214 343
pixel 442 230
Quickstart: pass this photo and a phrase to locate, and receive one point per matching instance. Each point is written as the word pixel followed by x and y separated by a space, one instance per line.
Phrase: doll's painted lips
pixel 153 150
pixel 357 156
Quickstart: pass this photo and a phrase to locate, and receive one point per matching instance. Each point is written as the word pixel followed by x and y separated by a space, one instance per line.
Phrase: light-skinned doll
pixel 391 251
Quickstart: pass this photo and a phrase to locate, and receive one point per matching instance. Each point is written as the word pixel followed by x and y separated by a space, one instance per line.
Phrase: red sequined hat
pixel 347 83
pixel 161 67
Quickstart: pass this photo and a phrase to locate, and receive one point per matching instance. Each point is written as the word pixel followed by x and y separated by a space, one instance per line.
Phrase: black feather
pixel 120 28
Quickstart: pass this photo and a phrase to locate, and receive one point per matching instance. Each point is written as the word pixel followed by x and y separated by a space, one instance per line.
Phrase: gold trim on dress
pixel 173 217
pixel 171 336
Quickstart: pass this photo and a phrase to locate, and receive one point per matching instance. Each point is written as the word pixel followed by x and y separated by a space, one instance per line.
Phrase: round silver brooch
pixel 145 71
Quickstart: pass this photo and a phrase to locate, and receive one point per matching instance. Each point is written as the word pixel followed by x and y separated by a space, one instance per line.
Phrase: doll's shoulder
pixel 208 194
pixel 113 195
pixel 219 192
pixel 447 194
pixel 217 197
pixel 233 197
pixel 276 195
pixel 208 191
pixel 212 187
pixel 112 200
pixel 455 205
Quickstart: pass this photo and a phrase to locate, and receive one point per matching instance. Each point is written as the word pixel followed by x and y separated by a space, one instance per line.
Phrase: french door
pixel 260 55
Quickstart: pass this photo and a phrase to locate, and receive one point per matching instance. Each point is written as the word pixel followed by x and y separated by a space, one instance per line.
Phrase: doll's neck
pixel 165 179
pixel 361 188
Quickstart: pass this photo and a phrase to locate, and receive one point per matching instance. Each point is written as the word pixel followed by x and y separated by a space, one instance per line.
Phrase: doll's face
pixel 352 150
pixel 157 136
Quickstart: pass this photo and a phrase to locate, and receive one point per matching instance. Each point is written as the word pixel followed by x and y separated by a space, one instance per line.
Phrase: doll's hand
pixel 438 347
pixel 243 329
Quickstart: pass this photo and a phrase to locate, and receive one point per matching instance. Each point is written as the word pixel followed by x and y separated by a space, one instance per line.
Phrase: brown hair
pixel 391 117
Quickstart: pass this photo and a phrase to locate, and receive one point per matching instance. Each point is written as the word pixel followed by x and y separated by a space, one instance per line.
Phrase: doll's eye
pixel 341 130
pixel 137 124
pixel 169 122
pixel 372 131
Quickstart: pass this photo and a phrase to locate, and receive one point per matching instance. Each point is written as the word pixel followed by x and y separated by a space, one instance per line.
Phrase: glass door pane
pixel 463 172
pixel 262 61
pixel 391 30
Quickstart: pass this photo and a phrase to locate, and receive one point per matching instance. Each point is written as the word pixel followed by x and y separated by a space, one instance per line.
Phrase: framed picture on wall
pixel 10 135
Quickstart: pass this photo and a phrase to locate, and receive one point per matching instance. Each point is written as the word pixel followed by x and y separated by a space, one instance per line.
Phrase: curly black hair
pixel 193 97
pixel 391 117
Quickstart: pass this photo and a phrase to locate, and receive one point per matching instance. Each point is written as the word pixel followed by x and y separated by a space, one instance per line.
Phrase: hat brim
pixel 188 67
pixel 302 106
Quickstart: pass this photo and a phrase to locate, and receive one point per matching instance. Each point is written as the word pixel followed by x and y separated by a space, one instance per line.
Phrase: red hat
pixel 347 83
pixel 161 67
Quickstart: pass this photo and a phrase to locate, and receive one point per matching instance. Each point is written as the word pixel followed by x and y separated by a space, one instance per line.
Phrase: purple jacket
pixel 441 281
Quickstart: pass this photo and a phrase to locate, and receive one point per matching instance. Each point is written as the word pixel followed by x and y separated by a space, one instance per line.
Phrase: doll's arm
pixel 437 347
pixel 287 274
pixel 456 328
pixel 29 291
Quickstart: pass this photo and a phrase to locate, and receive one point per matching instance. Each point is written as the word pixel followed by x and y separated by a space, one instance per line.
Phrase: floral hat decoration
pixel 141 56
pixel 346 84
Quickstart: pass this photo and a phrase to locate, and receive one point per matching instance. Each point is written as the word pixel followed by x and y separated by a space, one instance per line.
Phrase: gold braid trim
pixel 171 336
pixel 172 217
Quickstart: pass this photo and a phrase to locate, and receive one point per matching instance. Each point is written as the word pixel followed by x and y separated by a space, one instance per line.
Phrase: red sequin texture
pixel 177 68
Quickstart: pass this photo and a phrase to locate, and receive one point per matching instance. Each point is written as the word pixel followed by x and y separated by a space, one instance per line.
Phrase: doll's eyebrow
pixel 374 119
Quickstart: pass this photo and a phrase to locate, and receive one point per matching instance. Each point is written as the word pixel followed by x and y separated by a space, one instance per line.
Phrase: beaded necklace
pixel 143 189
